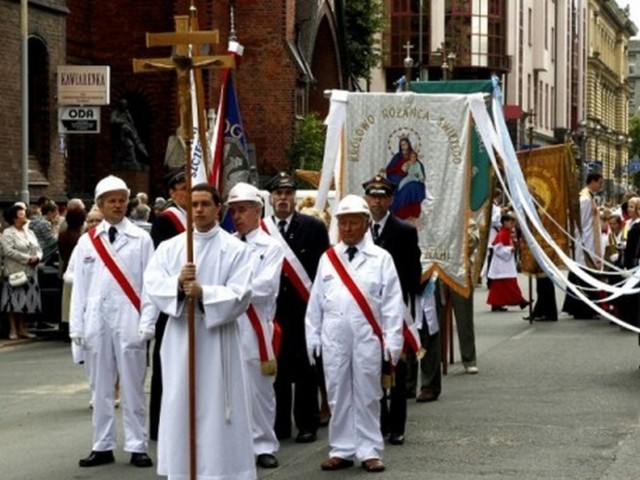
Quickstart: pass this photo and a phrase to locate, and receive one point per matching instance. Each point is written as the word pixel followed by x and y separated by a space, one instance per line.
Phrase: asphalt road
pixel 552 401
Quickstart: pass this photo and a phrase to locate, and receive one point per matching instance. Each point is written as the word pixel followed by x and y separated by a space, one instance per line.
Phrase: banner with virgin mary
pixel 421 144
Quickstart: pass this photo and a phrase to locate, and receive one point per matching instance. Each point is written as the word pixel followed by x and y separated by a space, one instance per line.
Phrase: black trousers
pixel 156 379
pixel 393 411
pixel 294 370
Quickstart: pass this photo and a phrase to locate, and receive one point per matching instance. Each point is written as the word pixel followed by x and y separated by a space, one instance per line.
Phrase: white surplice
pixel 223 422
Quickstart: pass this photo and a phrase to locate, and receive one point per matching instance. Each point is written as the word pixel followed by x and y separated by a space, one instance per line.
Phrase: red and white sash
pixel 291 266
pixel 343 272
pixel 110 260
pixel 410 330
pixel 265 347
pixel 177 217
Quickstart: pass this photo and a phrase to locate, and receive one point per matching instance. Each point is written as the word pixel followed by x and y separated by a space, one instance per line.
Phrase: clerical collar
pixel 208 234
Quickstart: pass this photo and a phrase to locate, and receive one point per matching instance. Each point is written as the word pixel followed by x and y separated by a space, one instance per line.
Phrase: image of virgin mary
pixel 407 173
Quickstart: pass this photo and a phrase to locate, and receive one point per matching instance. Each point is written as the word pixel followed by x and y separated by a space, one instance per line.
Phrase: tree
pixel 634 133
pixel 364 23
pixel 307 149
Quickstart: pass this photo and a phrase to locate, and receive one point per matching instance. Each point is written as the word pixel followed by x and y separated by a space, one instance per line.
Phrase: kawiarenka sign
pixel 83 85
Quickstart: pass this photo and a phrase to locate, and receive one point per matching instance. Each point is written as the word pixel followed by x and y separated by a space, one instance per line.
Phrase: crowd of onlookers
pixel 45 233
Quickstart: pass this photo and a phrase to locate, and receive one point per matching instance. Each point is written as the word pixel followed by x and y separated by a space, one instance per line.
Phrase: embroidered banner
pixel 546 171
pixel 421 143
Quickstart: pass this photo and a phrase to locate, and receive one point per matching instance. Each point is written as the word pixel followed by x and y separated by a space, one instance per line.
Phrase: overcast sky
pixel 635 11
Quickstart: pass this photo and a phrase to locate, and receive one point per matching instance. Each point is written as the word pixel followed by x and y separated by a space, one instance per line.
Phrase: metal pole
pixel 24 154
pixel 420 33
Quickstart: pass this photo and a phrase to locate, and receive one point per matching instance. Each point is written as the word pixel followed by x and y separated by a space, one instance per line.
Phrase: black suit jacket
pixel 400 239
pixel 162 228
pixel 308 238
pixel 631 251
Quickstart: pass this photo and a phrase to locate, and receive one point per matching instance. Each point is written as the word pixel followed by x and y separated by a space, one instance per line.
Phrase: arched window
pixel 39 112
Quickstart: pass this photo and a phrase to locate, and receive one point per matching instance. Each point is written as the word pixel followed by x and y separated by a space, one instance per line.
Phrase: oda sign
pixel 79 120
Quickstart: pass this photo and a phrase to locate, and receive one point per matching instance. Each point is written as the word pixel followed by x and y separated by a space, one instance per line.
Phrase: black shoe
pixel 266 460
pixel 97 458
pixel 396 439
pixel 524 305
pixel 141 460
pixel 306 437
pixel 496 308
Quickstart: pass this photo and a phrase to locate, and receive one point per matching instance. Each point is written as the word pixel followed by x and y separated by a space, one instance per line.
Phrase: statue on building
pixel 127 143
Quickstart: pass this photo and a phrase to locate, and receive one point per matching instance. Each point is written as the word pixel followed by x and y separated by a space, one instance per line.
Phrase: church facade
pixel 294 50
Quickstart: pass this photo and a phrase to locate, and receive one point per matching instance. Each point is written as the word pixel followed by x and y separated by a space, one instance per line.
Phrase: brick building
pixel 292 54
pixel 46 40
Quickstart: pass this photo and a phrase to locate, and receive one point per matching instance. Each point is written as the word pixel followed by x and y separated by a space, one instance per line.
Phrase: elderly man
pixel 256 325
pixel 219 282
pixel 304 239
pixel 112 321
pixel 355 320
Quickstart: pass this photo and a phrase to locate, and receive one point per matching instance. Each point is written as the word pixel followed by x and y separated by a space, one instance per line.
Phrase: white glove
pixel 614 258
pixel 313 352
pixel 145 335
pixel 625 273
pixel 77 339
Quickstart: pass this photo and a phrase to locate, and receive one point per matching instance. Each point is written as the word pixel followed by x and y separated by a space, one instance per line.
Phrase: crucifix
pixel 408 64
pixel 185 40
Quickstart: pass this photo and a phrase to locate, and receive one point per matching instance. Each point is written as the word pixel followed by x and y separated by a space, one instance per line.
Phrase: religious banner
pixel 547 172
pixel 421 143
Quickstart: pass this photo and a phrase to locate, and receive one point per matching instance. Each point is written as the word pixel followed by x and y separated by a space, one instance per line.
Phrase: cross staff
pixel 184 65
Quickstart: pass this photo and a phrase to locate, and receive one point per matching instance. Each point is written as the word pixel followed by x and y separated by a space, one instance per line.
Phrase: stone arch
pixel 39 102
pixel 325 62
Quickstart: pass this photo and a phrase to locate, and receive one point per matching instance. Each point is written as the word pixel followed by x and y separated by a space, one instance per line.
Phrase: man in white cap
pixel 256 325
pixel 219 281
pixel 112 320
pixel 354 320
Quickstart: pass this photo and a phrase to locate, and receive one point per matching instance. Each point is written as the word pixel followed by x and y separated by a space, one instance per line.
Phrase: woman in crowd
pixel 504 289
pixel 20 289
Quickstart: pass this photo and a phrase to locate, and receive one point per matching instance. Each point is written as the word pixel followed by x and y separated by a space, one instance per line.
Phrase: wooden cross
pixel 183 63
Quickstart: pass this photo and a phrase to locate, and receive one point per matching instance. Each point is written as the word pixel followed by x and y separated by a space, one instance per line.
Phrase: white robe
pixel 108 322
pixel 351 352
pixel 266 258
pixel 223 268
pixel 590 228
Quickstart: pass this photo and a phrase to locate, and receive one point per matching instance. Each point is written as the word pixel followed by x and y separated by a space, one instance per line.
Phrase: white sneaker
pixel 471 369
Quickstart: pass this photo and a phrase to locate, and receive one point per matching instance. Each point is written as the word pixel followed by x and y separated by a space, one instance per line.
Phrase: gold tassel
pixel 269 368
pixel 421 353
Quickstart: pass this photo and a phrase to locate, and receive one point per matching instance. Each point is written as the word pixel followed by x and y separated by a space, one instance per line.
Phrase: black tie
pixel 243 238
pixel 282 226
pixel 376 232
pixel 351 252
pixel 113 231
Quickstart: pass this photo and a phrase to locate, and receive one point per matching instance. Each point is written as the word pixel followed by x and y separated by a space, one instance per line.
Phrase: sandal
pixel 373 465
pixel 336 463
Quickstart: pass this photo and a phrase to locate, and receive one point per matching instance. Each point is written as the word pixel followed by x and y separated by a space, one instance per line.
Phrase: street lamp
pixel 620 140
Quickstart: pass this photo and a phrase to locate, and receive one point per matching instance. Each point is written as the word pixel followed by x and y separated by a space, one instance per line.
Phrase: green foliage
pixel 307 149
pixel 634 133
pixel 364 21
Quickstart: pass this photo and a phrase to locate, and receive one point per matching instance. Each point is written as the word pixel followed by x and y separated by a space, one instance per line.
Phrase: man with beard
pixel 304 239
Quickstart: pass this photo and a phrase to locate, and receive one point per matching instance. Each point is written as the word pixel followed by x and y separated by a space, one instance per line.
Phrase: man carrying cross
pixel 219 281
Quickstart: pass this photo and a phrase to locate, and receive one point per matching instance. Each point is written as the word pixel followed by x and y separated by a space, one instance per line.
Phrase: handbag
pixel 18 279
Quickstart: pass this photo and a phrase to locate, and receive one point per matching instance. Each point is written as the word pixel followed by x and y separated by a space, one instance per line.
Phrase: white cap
pixel 244 192
pixel 353 204
pixel 110 184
